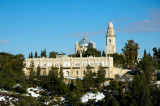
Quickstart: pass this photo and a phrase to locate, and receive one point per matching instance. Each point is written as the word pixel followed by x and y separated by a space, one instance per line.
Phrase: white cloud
pixel 87 33
pixel 4 42
pixel 150 24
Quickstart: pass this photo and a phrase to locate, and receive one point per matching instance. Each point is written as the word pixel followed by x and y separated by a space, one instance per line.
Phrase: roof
pixel 84 41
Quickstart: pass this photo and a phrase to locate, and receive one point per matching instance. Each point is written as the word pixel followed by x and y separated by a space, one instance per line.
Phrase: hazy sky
pixel 33 25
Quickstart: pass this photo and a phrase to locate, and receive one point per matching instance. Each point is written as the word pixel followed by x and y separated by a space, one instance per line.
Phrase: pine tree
pixel 38 72
pixel 32 73
pixel 140 91
pixel 100 75
pixel 79 85
pixel 88 80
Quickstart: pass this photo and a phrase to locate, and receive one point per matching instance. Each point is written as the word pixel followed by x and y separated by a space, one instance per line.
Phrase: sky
pixel 55 25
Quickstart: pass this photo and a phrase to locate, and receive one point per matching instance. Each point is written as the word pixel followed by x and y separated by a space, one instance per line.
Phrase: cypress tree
pixel 36 55
pixel 61 73
pixel 31 55
pixel 145 53
pixel 103 54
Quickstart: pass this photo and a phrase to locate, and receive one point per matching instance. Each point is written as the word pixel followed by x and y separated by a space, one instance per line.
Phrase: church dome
pixel 84 41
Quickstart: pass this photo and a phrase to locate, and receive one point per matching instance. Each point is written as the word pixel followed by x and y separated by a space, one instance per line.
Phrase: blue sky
pixel 33 25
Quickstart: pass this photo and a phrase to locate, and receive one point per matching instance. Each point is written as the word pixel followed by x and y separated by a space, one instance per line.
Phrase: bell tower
pixel 110 40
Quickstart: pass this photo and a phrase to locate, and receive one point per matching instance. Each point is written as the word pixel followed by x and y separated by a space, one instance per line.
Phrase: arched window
pixel 67 75
pixel 77 72
pixel 109 41
pixel 84 72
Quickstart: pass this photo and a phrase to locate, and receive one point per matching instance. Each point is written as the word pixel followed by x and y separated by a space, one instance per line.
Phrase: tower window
pixel 77 72
pixel 110 41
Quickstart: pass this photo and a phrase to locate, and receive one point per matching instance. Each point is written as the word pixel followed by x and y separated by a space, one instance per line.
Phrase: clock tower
pixel 110 40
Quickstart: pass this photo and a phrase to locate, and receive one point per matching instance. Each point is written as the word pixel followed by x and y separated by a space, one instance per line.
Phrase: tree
pixel 147 66
pixel 31 55
pixel 100 75
pixel 43 53
pixel 11 72
pixel 140 91
pixel 38 73
pixel 88 80
pixel 36 55
pixel 32 73
pixel 118 59
pixel 92 52
pixel 130 51
pixel 79 85
pixel 52 54
pixel 61 73
pixel 103 54
pixel 74 98
pixel 145 53
pixel 156 58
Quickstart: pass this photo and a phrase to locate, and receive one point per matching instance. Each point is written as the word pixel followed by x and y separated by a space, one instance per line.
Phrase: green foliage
pixel 109 100
pixel 32 74
pixel 103 54
pixel 53 83
pixel 11 72
pixel 74 98
pixel 146 65
pixel 156 58
pixel 92 52
pixel 31 55
pixel 52 54
pixel 43 53
pixel 36 55
pixel 118 59
pixel 88 80
pixel 140 91
pixel 100 75
pixel 130 51
pixel 61 74
pixel 38 73
pixel 79 85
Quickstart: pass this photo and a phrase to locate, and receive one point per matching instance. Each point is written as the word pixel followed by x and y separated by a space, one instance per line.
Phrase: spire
pixel 110 31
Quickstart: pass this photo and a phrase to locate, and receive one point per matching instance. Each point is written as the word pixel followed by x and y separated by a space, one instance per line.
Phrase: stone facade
pixel 75 67
pixel 110 40
pixel 72 67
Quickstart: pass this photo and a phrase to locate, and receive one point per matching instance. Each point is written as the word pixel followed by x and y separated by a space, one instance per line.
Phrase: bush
pixel 20 89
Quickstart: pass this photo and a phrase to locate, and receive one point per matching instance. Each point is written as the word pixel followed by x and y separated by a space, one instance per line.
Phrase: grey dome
pixel 84 41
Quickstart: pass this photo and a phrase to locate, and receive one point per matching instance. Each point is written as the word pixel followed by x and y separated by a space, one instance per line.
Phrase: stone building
pixel 75 67
pixel 110 40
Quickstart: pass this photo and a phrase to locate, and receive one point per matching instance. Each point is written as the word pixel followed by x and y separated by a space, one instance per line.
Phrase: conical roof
pixel 84 41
